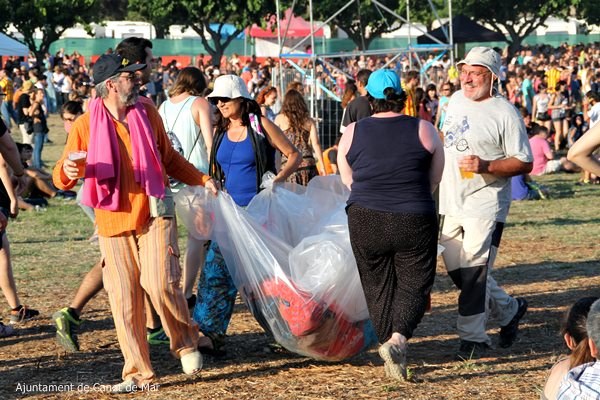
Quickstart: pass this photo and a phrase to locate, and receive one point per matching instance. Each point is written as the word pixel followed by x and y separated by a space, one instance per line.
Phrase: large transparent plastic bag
pixel 195 209
pixel 289 255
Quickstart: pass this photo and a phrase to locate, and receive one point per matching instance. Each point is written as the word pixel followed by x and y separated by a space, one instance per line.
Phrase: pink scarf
pixel 102 173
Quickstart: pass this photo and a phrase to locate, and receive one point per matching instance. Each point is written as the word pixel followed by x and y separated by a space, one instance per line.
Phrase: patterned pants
pixel 215 297
pixel 396 258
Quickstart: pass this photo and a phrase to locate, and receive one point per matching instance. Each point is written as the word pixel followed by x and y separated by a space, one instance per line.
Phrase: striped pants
pixel 471 245
pixel 136 264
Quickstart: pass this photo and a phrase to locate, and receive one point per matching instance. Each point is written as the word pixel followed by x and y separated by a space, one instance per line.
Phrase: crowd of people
pixel 417 163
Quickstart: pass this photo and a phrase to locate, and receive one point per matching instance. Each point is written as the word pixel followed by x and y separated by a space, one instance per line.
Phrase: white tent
pixel 11 47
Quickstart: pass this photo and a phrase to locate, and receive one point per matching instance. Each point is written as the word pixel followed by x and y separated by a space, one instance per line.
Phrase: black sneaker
pixel 508 333
pixel 471 350
pixel 22 313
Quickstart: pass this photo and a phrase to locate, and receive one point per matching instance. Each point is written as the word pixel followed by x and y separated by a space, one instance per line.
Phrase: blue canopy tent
pixel 12 47
pixel 226 30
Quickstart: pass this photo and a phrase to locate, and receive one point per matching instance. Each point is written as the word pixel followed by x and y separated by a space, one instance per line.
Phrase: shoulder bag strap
pixel 170 129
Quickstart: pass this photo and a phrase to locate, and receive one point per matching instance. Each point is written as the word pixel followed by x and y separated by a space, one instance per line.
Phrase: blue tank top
pixel 239 167
pixel 390 166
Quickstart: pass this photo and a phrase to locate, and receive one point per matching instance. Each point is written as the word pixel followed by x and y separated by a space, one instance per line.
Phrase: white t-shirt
pixel 594 115
pixel 491 129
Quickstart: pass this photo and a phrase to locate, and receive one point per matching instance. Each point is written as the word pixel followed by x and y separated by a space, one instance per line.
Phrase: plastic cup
pixel 79 157
pixel 466 174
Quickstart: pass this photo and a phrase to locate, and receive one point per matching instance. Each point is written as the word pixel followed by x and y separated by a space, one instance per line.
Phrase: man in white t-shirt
pixel 485 143
pixel 593 113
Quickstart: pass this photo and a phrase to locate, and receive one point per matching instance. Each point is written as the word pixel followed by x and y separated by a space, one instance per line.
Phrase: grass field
pixel 549 254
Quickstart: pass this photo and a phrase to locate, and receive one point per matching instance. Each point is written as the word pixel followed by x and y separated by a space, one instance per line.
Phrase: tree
pixel 51 17
pixel 240 13
pixel 200 14
pixel 589 10
pixel 160 13
pixel 421 11
pixel 362 21
pixel 519 18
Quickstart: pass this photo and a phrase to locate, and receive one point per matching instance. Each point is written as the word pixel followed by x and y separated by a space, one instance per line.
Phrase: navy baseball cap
pixel 111 64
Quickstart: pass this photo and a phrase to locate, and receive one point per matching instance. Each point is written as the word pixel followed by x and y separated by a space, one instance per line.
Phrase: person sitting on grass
pixel 39 182
pixel 583 381
pixel 525 188
pixel 543 156
pixel 576 338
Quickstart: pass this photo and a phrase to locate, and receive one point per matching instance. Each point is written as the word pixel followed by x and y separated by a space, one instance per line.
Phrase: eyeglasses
pixel 446 89
pixel 216 100
pixel 128 77
pixel 475 74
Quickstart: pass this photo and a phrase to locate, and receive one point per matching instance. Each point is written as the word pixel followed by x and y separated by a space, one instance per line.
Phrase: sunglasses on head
pixel 216 100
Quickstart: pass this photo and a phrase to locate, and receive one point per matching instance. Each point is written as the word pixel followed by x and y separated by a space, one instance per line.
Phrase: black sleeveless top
pixel 390 166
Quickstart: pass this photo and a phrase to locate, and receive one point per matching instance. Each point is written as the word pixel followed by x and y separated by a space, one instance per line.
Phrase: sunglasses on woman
pixel 216 100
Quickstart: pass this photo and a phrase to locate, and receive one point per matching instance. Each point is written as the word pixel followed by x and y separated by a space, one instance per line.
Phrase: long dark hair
pixel 574 325
pixel 247 107
pixel 295 109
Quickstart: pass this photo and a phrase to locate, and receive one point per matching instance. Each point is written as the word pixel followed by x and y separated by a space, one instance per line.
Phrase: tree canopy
pixel 200 14
pixel 519 18
pixel 49 16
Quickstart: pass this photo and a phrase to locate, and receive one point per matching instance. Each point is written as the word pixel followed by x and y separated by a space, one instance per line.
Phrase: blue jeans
pixel 8 113
pixel 38 145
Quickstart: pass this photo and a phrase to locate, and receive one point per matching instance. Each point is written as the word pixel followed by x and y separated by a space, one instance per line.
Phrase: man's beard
pixel 131 98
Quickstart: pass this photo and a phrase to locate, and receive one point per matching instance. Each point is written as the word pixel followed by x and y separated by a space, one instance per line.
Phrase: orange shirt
pixel 134 210
pixel 327 163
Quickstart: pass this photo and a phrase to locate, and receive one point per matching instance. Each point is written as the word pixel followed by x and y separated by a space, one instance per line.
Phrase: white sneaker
pixel 192 363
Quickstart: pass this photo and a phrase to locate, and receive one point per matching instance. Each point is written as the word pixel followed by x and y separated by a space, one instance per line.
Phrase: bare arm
pixel 314 142
pixel 581 152
pixel 506 167
pixel 342 163
pixel 432 142
pixel 281 143
pixel 438 115
pixel 9 151
pixel 10 189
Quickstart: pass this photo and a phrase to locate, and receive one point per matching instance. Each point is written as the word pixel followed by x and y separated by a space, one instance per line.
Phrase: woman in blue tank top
pixel 243 151
pixel 392 163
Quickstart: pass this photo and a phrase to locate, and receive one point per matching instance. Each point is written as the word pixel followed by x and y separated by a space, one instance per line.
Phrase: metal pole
pixel 280 47
pixel 451 33
pixel 313 60
pixel 409 41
